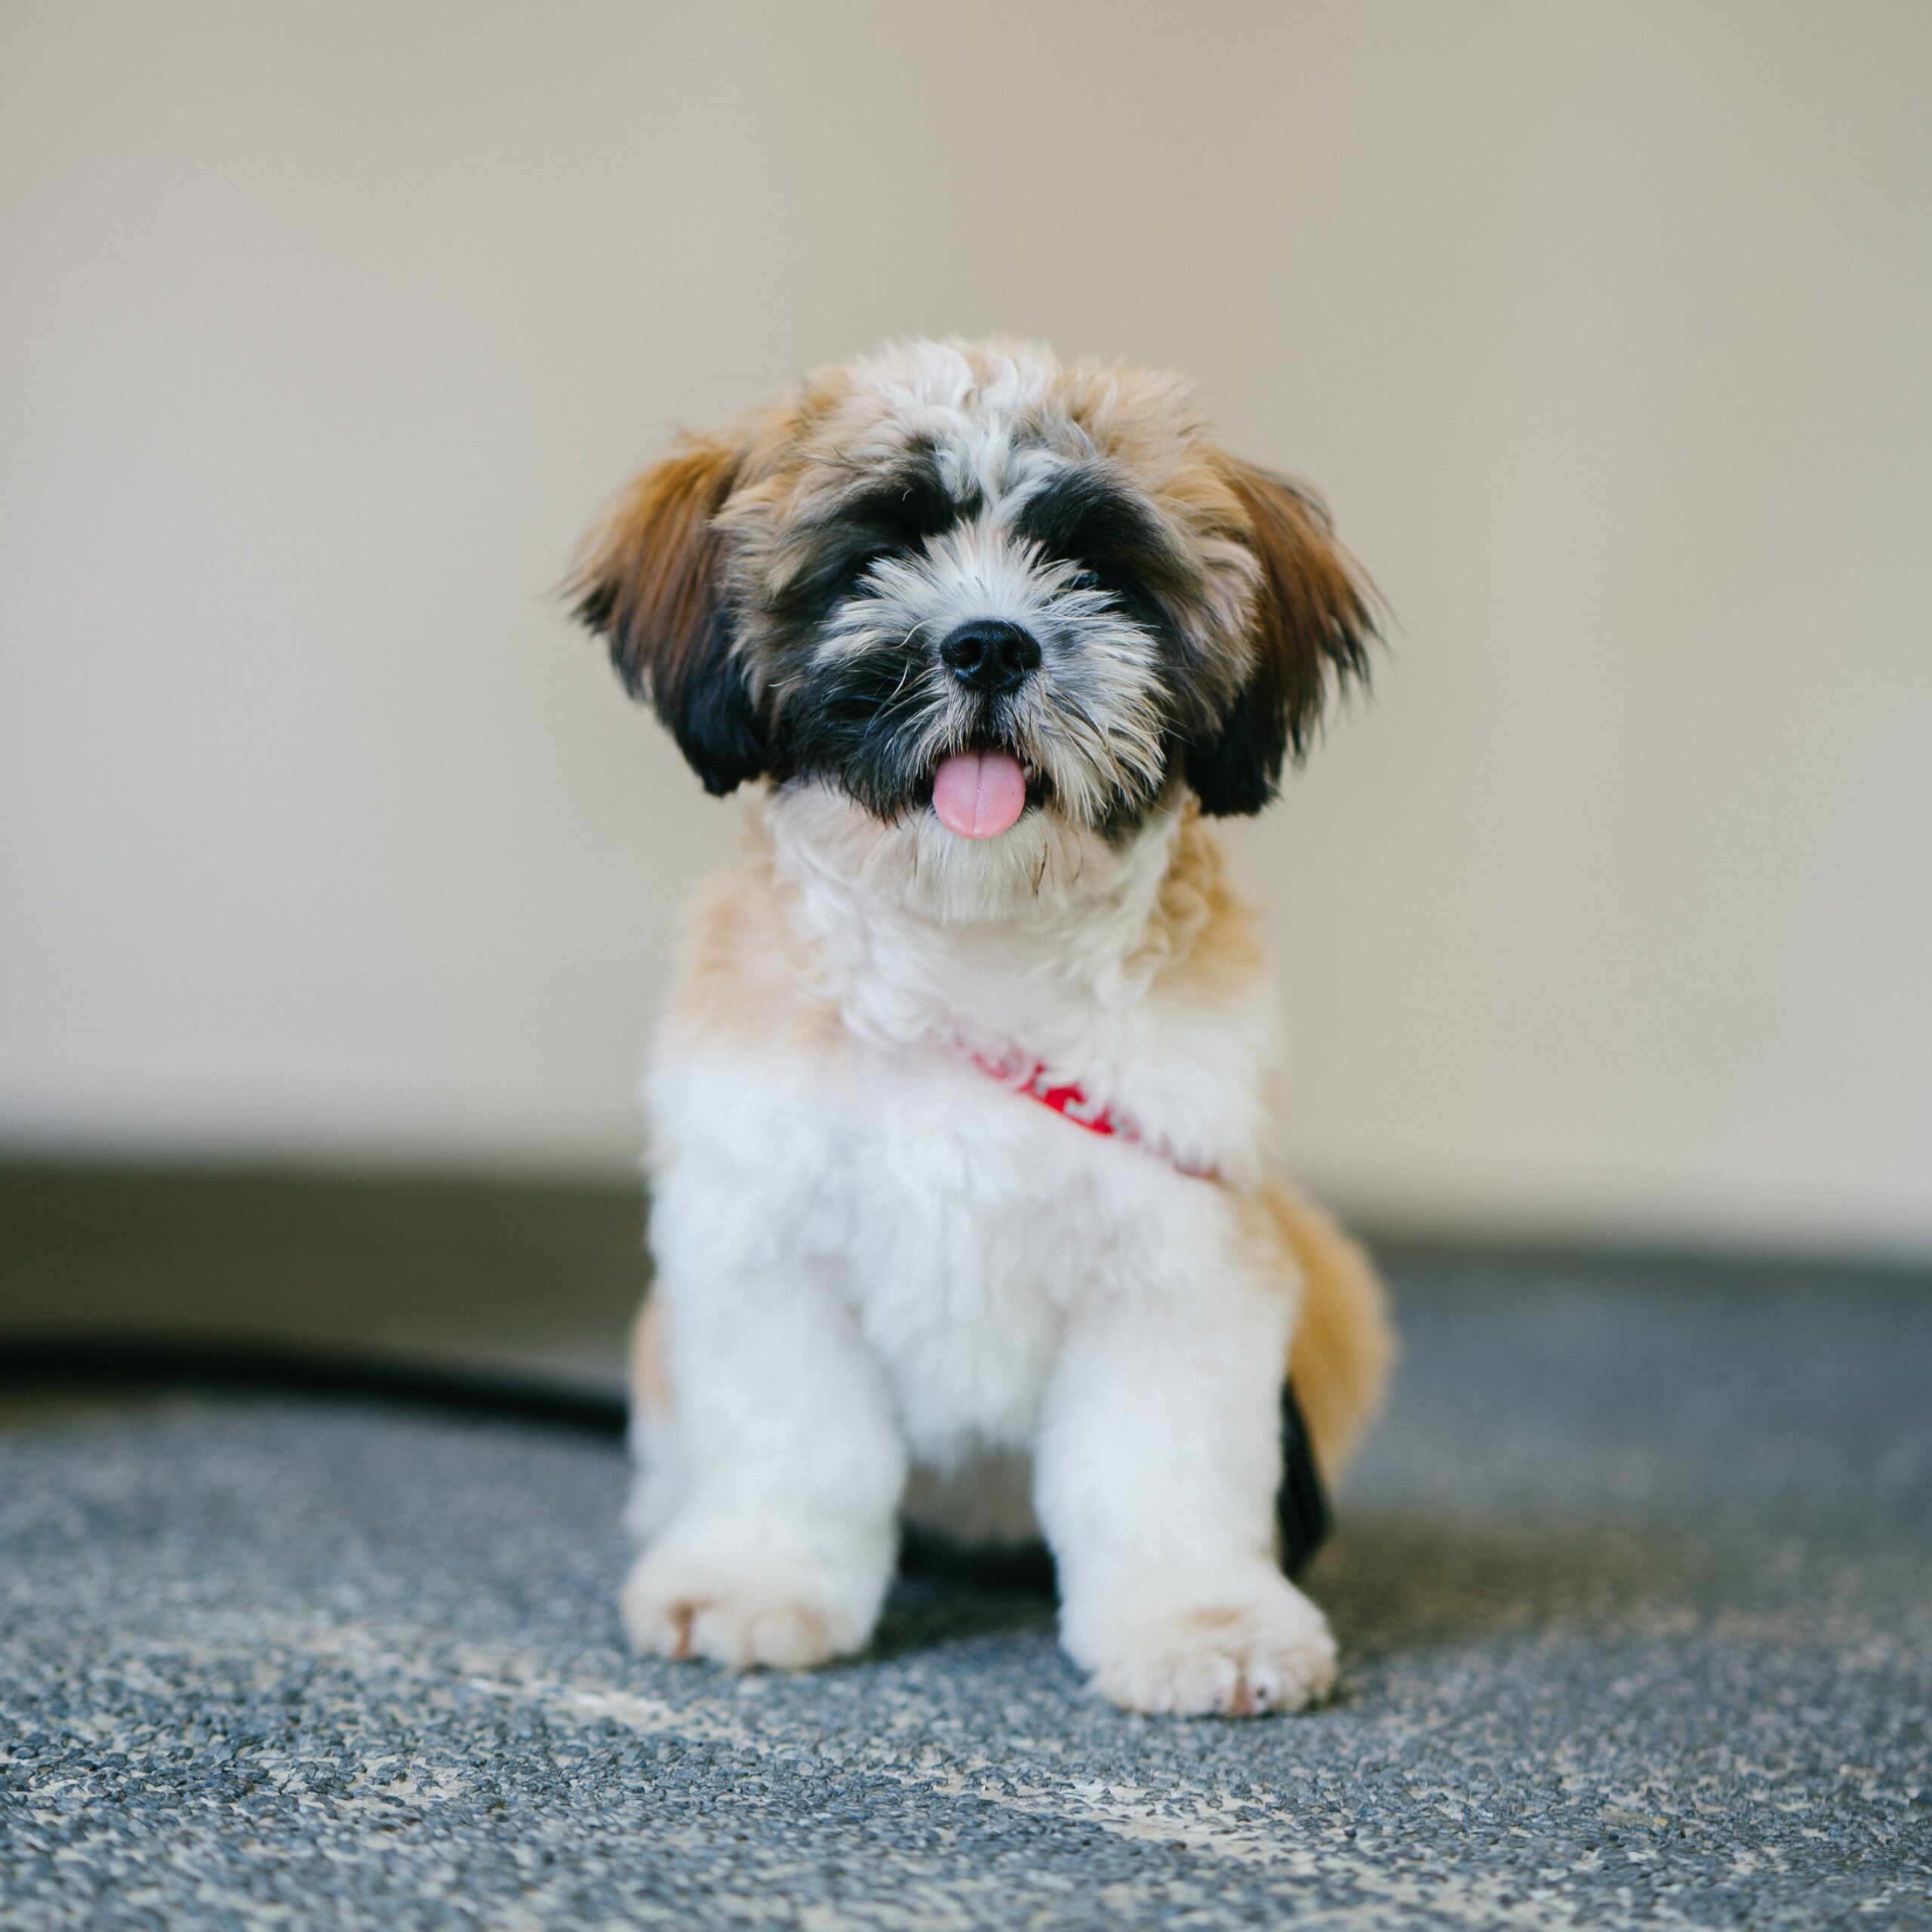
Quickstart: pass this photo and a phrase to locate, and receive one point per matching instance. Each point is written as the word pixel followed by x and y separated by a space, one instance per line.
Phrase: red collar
pixel 1016 1070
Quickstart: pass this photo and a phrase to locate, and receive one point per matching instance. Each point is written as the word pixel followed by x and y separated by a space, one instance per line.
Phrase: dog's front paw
pixel 789 1619
pixel 1260 1649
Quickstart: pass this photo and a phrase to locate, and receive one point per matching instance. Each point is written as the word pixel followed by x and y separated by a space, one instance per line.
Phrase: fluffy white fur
pixel 885 1282
pixel 872 1258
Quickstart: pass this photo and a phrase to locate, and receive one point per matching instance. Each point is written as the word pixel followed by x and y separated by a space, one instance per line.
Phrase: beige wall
pixel 323 331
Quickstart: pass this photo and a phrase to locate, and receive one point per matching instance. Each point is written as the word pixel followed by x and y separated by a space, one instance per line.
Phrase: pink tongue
pixel 979 795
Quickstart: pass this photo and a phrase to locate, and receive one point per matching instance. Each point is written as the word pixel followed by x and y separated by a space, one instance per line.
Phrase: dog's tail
pixel 1343 1346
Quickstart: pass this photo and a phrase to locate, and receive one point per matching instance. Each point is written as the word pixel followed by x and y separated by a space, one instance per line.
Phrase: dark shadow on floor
pixel 1395 1582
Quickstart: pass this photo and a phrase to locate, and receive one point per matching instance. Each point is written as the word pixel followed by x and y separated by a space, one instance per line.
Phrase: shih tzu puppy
pixel 961 1205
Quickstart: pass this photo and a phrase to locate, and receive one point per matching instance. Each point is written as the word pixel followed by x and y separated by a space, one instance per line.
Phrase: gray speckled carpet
pixel 1634 1588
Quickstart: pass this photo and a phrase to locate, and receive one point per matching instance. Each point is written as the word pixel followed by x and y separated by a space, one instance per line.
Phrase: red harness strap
pixel 1013 1070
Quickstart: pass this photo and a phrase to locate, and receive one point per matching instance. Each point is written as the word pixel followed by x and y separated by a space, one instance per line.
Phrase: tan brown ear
pixel 650 582
pixel 1314 619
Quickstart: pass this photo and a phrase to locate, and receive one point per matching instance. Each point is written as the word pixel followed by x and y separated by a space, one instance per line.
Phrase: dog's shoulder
pixel 746 975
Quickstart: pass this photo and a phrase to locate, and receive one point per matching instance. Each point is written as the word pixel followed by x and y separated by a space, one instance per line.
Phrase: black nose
pixel 989 656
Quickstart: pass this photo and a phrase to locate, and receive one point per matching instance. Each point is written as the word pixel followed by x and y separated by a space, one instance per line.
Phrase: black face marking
pixel 894 516
pixel 858 724
pixel 910 506
pixel 1084 517
pixel 864 717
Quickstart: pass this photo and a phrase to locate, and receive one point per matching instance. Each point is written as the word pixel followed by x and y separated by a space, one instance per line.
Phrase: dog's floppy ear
pixel 650 582
pixel 1313 620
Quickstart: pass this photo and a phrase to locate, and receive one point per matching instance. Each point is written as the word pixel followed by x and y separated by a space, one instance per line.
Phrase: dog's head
pixel 962 579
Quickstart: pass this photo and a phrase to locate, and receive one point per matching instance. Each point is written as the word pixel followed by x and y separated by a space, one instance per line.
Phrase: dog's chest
pixel 962 1220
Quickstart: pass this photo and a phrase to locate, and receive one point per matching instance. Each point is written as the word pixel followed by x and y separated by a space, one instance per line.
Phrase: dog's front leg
pixel 782 1470
pixel 1158 1461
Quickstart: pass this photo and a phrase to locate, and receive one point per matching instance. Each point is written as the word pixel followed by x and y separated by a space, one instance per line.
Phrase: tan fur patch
pixel 1343 1346
pixel 1214 1620
pixel 681 1620
pixel 745 974
pixel 1315 610
pixel 648 574
pixel 1204 941
pixel 650 1385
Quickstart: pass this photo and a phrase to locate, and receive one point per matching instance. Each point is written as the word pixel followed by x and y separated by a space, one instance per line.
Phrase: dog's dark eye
pixel 1120 585
pixel 896 517
pixel 1088 517
pixel 861 567
pixel 835 575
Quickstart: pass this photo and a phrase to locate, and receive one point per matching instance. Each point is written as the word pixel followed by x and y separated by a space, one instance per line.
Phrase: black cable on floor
pixel 50 1357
